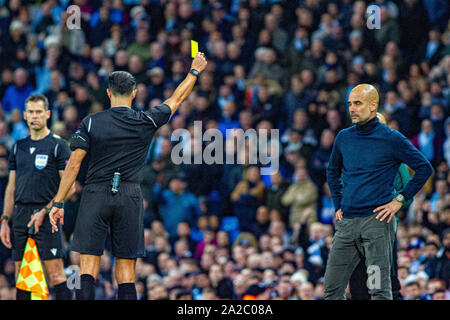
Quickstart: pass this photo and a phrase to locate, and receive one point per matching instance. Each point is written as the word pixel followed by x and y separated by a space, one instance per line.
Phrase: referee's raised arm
pixel 184 89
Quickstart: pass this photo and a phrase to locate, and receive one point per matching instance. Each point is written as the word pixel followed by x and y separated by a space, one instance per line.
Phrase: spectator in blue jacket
pixel 177 205
pixel 17 93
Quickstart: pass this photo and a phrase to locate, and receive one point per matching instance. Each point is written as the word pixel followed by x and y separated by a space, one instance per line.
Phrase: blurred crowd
pixel 226 231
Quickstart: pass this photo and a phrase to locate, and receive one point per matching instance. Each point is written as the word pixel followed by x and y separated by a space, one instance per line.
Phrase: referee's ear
pixel 133 94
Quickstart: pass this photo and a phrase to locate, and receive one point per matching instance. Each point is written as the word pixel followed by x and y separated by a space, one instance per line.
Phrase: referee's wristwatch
pixel 5 218
pixel 400 198
pixel 59 205
pixel 194 72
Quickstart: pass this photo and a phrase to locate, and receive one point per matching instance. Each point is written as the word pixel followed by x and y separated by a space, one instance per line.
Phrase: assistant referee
pixel 116 141
pixel 36 164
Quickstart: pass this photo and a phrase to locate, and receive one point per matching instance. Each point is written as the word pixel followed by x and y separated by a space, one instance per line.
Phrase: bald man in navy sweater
pixel 361 172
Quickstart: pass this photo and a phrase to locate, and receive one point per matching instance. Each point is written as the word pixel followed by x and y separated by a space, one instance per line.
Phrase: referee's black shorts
pixel 122 215
pixel 49 245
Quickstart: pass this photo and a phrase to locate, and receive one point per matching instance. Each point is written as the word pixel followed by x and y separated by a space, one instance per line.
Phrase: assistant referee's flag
pixel 31 274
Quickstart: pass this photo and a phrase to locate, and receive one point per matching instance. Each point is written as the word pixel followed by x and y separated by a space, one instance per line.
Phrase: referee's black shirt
pixel 37 164
pixel 118 138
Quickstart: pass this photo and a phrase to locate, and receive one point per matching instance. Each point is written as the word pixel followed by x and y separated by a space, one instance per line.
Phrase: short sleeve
pixel 81 139
pixel 62 154
pixel 158 115
pixel 12 158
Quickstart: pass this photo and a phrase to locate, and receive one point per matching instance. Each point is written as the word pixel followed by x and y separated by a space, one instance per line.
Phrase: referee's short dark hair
pixel 121 83
pixel 36 98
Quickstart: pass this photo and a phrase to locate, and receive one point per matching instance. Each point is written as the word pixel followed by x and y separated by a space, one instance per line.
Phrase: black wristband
pixel 58 204
pixel 194 72
pixel 5 217
pixel 47 210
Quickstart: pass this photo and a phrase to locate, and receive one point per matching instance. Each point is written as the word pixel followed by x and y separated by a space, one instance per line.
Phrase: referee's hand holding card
pixel 199 63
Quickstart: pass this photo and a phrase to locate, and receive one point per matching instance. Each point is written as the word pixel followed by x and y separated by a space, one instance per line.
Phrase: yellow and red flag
pixel 31 274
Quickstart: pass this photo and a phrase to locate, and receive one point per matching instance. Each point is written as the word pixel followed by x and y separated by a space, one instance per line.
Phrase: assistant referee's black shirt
pixel 37 164
pixel 118 139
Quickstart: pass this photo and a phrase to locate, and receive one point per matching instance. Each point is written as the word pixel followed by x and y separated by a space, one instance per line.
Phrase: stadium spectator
pixel 428 142
pixel 301 196
pixel 16 94
pixel 186 209
pixel 247 197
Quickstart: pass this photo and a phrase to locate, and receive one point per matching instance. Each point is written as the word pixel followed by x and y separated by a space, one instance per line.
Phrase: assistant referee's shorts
pixel 49 245
pixel 120 214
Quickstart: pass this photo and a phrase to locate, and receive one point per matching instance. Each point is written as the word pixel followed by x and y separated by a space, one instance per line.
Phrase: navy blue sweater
pixel 363 165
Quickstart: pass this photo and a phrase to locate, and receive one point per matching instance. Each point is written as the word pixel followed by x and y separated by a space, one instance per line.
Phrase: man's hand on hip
pixel 388 210
pixel 339 214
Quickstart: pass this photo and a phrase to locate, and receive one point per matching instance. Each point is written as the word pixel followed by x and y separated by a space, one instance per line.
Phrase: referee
pixel 116 141
pixel 36 164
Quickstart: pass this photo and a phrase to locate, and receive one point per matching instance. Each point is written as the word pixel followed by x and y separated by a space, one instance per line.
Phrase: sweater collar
pixel 368 126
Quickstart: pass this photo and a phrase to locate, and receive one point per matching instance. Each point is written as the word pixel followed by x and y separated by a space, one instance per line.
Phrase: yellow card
pixel 194 48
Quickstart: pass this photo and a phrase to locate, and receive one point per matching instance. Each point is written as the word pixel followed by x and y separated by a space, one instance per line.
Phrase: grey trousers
pixel 360 238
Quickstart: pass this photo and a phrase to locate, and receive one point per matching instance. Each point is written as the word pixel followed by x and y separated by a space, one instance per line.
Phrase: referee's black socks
pixel 62 292
pixel 127 291
pixel 87 291
pixel 22 295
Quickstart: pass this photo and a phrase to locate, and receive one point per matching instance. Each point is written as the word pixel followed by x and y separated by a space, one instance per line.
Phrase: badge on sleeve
pixel 40 161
